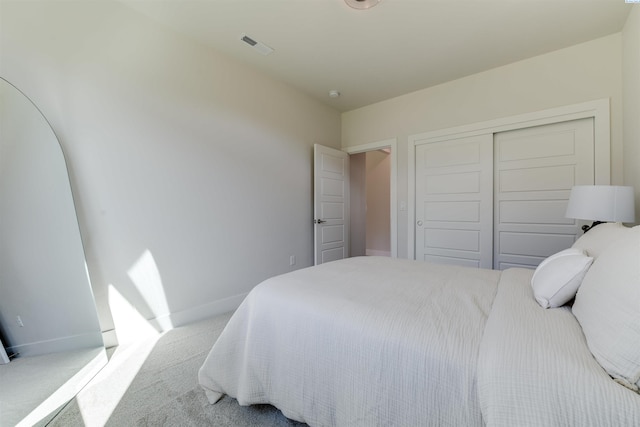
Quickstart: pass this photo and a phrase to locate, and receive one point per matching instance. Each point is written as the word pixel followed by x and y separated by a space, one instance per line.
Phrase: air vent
pixel 262 48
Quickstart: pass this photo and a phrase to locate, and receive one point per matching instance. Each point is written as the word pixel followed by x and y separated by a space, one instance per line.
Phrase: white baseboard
pixel 375 252
pixel 204 311
pixel 110 338
pixel 184 317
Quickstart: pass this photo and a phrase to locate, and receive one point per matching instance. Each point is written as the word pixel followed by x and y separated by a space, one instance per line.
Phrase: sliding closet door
pixel 454 203
pixel 535 169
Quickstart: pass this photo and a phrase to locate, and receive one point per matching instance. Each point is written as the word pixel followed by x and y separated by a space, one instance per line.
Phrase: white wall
pixel 580 73
pixel 631 101
pixel 192 173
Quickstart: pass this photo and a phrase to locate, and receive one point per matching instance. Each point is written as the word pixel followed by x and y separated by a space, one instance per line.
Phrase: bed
pixel 374 341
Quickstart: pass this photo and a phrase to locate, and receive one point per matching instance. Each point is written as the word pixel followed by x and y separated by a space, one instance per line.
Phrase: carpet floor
pixel 154 383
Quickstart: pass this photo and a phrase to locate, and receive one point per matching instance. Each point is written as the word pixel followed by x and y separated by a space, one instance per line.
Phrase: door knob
pixel 419 223
pixel 319 221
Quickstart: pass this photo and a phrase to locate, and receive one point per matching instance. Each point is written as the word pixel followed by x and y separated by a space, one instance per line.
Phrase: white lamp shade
pixel 612 203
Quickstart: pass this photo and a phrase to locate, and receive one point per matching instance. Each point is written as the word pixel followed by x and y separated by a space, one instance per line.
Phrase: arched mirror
pixel 51 340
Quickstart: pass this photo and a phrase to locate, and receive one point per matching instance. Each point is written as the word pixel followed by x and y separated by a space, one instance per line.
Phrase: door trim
pixel 392 144
pixel 598 110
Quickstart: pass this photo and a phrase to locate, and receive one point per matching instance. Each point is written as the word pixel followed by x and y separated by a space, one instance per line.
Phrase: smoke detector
pixel 362 4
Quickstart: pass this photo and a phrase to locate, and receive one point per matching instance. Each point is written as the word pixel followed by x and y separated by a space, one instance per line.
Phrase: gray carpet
pixel 165 391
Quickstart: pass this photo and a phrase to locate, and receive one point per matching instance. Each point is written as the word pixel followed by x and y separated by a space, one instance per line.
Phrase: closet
pixel 495 196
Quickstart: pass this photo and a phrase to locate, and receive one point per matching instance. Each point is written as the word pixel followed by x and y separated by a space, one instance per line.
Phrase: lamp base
pixel 586 228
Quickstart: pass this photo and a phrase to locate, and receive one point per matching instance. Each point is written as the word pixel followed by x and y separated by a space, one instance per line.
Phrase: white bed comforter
pixel 360 342
pixel 535 368
pixel 384 342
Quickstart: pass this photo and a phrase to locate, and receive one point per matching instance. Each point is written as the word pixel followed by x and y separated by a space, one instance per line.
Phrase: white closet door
pixel 535 169
pixel 454 185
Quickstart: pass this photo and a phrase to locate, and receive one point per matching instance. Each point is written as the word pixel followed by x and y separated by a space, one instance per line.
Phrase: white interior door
pixel 535 169
pixel 331 204
pixel 454 201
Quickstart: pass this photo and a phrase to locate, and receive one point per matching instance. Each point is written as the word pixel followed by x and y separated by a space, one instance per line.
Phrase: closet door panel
pixel 536 178
pixel 454 185
pixel 534 212
pixel 535 169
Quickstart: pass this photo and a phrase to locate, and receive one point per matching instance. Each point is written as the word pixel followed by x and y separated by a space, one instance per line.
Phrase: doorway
pixel 373 199
pixel 370 203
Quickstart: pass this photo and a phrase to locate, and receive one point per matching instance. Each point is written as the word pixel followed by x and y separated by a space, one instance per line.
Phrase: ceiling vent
pixel 262 48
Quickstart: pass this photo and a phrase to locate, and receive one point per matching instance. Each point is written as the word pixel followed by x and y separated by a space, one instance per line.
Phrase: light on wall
pixel 601 203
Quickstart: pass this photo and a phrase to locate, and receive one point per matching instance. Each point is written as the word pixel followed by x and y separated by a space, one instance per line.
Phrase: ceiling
pixel 392 49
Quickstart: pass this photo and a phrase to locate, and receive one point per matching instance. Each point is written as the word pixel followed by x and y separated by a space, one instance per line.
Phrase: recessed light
pixel 334 93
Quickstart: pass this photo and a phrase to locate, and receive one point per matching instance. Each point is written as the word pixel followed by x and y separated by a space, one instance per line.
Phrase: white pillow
pixel 596 240
pixel 608 309
pixel 558 277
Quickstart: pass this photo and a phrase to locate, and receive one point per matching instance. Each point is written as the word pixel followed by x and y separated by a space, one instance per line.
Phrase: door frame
pixel 391 144
pixel 598 110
